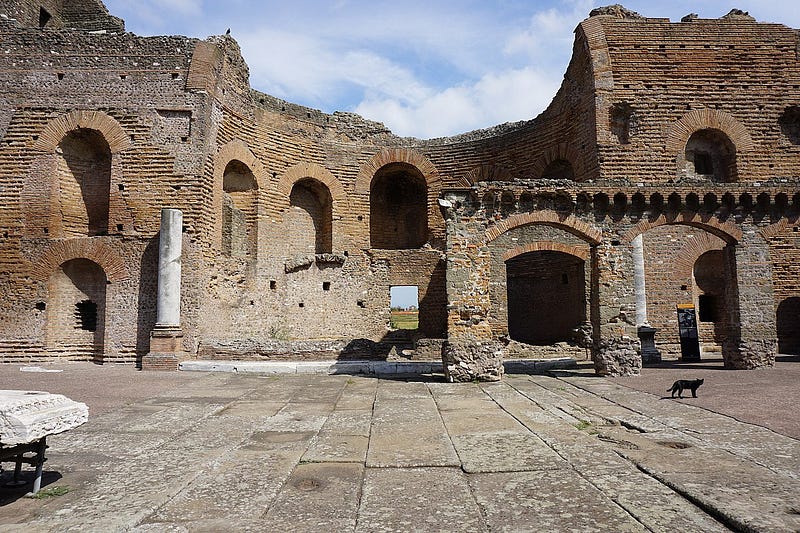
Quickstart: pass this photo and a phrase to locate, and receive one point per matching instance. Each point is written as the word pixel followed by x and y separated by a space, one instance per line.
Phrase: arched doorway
pixel 76 309
pixel 546 293
pixel 398 208
pixel 709 284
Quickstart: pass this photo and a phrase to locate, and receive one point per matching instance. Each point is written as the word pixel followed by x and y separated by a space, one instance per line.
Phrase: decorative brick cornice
pixel 569 223
pixel 57 128
pixel 679 132
pixel 537 246
pixel 92 249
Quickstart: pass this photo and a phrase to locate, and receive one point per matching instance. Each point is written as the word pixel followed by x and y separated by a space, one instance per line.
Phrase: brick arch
pixel 691 251
pixel 485 173
pixel 727 231
pixel 317 172
pixel 701 119
pixel 57 128
pixel 576 251
pixel 238 150
pixel 397 155
pixel 559 151
pixel 94 250
pixel 774 229
pixel 569 223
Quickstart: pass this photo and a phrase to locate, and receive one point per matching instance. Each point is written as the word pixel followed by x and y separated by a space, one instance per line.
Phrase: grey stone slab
pixel 250 409
pixel 505 451
pixel 547 501
pixel 417 499
pixel 239 485
pixel 331 447
pixel 652 503
pixel 335 489
pixel 297 417
pixel 349 422
pixel 395 421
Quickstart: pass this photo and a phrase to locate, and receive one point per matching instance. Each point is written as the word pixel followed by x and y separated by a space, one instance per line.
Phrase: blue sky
pixel 424 68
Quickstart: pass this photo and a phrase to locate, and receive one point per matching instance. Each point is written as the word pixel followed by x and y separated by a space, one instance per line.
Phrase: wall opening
pixel 398 208
pixel 84 178
pixel 710 154
pixel 546 293
pixel 622 121
pixel 44 17
pixel 790 124
pixel 404 306
pixel 239 210
pixel 76 309
pixel 311 217
pixel 787 321
pixel 560 169
pixel 709 289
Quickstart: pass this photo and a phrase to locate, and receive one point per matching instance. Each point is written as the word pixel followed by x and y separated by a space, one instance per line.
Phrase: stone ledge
pixel 315 367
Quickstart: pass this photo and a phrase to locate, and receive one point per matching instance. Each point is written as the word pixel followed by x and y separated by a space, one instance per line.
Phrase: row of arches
pixel 398 208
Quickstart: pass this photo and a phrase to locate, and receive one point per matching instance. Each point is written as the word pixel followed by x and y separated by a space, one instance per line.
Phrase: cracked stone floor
pixel 232 452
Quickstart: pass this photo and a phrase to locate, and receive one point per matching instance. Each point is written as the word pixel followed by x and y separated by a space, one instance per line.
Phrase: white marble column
pixel 166 339
pixel 638 281
pixel 168 313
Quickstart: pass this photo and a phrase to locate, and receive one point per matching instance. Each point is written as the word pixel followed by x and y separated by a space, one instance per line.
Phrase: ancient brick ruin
pixel 664 172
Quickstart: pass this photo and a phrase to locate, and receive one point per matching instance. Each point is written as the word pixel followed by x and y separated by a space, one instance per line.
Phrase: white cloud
pixel 496 98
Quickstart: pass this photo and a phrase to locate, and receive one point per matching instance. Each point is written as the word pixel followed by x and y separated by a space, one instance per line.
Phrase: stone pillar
pixel 751 341
pixel 616 350
pixel 471 352
pixel 644 330
pixel 166 339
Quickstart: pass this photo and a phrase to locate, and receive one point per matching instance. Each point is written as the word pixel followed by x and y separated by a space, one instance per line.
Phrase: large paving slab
pixel 352 453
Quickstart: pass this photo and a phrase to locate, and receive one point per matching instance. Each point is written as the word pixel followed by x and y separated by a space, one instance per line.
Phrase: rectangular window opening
pixel 86 315
pixel 404 307
pixel 707 308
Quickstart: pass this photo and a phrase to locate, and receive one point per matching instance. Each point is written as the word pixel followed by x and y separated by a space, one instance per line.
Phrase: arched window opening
pixel 709 283
pixel 310 217
pixel 546 293
pixel 76 309
pixel 398 208
pixel 84 179
pixel 787 321
pixel 790 124
pixel 560 169
pixel 239 210
pixel 710 154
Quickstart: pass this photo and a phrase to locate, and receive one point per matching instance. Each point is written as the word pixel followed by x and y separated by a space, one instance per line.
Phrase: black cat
pixel 682 384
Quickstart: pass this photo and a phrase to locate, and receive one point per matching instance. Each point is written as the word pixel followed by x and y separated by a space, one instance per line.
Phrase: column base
pixel 647 337
pixel 166 348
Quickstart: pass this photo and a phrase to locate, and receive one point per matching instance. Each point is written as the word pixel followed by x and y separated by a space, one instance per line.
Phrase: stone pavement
pixel 232 452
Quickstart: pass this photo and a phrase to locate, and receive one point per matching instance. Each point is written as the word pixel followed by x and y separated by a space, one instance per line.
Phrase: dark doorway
pixel 546 296
pixel 788 325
